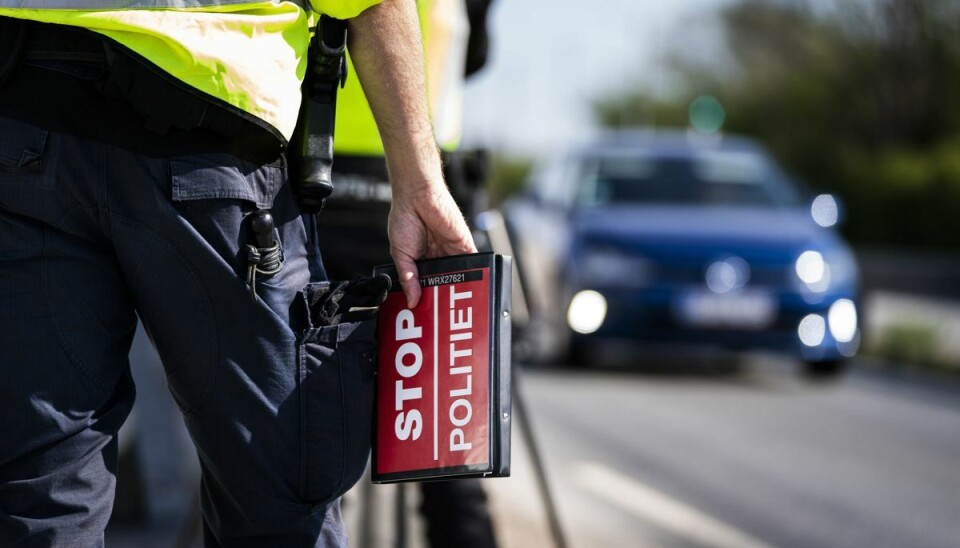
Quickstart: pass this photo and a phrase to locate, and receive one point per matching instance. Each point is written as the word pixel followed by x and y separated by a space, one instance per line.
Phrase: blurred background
pixel 851 98
pixel 736 230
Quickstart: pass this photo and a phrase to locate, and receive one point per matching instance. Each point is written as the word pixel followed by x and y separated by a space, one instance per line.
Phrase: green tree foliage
pixel 861 99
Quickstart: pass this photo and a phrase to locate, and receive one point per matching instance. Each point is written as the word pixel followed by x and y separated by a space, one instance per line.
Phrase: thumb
pixel 409 280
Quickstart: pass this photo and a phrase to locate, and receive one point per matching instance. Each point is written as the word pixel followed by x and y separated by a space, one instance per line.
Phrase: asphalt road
pixel 753 458
pixel 678 457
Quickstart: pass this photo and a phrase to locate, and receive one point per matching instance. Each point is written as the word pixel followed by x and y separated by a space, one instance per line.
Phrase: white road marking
pixel 659 509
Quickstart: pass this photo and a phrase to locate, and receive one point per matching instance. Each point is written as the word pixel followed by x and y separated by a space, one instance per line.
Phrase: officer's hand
pixel 424 223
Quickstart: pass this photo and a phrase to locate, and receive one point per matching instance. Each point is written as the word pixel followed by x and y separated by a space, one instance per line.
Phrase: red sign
pixel 433 393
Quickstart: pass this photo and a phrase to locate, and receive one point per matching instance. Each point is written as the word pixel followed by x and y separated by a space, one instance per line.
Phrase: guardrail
pixel 929 274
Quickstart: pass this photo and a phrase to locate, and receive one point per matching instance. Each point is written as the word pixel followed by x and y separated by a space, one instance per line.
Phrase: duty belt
pixel 102 66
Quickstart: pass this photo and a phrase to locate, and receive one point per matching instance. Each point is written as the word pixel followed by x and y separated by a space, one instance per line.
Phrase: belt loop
pixel 109 53
pixel 163 105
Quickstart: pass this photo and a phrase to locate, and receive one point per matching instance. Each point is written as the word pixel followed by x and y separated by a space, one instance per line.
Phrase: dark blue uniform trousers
pixel 92 235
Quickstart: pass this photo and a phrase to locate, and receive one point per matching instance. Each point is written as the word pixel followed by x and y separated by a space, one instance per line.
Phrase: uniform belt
pixel 62 43
pixel 181 116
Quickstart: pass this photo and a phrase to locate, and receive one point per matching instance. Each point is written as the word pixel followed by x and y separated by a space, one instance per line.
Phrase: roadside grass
pixel 917 343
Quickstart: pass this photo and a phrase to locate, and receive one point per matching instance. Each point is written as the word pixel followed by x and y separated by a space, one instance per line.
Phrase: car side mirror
pixel 826 210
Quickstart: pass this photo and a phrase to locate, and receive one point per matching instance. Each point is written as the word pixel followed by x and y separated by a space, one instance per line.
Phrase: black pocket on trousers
pixel 215 192
pixel 22 151
pixel 337 367
pixel 222 176
pixel 28 171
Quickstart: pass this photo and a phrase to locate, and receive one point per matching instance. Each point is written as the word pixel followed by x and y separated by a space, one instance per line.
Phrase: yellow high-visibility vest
pixel 250 54
pixel 445 30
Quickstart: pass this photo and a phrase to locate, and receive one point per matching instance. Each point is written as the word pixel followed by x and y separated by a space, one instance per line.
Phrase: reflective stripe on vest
pixel 341 9
pixel 248 53
pixel 126 4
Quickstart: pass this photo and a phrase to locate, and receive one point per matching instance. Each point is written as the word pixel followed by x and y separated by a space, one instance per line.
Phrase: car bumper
pixel 778 320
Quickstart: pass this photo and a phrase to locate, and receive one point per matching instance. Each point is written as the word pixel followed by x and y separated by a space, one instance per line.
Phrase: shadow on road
pixel 753 371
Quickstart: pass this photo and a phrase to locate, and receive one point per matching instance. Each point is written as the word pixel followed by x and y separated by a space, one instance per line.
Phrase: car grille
pixel 761 275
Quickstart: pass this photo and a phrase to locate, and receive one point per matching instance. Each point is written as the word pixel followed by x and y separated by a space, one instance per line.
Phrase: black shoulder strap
pixel 311 151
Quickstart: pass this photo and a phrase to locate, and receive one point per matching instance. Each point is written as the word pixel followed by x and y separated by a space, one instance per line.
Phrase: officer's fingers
pixel 464 245
pixel 451 235
pixel 454 239
pixel 452 247
pixel 409 279
pixel 409 240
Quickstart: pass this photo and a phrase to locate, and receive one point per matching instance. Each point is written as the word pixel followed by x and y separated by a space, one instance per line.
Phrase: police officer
pixel 454 35
pixel 139 142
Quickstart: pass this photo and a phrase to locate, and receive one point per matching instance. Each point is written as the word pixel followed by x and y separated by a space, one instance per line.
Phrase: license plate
pixel 741 310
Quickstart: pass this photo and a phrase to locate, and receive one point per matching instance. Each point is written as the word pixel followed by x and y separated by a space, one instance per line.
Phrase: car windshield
pixel 713 178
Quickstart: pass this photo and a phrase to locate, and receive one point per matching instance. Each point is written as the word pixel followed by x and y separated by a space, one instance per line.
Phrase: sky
pixel 551 58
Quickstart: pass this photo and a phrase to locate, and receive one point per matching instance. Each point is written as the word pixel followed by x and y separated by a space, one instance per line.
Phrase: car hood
pixel 765 227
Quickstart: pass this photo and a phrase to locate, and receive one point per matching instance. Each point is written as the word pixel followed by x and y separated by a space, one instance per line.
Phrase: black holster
pixel 311 150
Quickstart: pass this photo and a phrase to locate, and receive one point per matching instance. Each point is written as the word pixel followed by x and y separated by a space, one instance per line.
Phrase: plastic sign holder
pixel 443 403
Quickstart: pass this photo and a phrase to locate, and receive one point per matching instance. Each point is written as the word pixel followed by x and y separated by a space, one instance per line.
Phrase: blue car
pixel 684 239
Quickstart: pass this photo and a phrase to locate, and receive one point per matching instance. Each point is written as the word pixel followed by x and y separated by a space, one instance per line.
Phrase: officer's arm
pixel 424 220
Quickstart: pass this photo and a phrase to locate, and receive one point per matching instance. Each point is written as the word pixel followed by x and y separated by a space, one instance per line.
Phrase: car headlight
pixel 842 319
pixel 605 266
pixel 820 271
pixel 811 268
pixel 812 330
pixel 587 311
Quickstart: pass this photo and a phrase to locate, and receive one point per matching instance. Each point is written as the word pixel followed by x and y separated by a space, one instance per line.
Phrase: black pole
pixel 401 516
pixel 526 429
